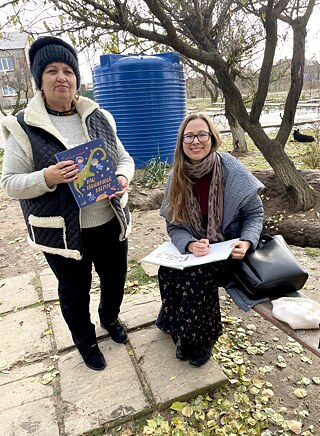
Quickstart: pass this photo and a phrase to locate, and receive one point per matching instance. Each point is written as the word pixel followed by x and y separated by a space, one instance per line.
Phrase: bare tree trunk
pixel 238 136
pixel 213 91
pixel 300 193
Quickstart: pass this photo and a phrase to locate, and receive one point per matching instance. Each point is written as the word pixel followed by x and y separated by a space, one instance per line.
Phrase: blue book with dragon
pixel 96 177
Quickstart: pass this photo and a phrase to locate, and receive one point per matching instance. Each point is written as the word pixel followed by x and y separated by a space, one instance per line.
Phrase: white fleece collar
pixel 36 115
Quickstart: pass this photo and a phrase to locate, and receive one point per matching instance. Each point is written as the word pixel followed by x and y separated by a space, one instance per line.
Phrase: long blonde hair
pixel 177 191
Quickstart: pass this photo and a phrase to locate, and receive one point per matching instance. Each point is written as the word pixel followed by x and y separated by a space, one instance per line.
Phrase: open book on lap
pixel 168 255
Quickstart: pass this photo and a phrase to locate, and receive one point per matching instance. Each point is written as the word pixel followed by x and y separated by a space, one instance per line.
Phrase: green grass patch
pixel 312 156
pixel 298 152
pixel 57 391
pixel 136 272
pixel 312 252
pixel 138 280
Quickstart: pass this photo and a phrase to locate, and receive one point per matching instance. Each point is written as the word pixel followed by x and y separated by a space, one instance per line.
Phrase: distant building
pixel 15 79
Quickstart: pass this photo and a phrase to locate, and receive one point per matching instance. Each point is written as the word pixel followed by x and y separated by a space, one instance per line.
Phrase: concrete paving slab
pixel 169 378
pixel 27 407
pixel 62 334
pixel 96 398
pixel 91 399
pixel 17 292
pixel 49 285
pixel 138 310
pixel 23 339
pixel 22 391
pixel 61 331
pixel 24 371
pixel 38 420
pixel 150 269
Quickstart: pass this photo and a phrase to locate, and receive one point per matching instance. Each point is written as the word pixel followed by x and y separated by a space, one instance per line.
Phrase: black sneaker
pixel 116 331
pixel 200 354
pixel 93 358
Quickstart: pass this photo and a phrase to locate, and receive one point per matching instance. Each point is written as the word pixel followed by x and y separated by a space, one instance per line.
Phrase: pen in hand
pixel 205 242
pixel 199 248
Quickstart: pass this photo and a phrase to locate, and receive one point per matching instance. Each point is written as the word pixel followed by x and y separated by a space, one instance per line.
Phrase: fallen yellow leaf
pixel 187 411
pixel 300 393
pixel 295 426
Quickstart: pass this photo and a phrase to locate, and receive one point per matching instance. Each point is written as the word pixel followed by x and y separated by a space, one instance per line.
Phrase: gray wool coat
pixel 243 209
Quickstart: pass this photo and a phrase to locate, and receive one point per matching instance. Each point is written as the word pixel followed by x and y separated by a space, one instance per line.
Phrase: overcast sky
pixel 312 47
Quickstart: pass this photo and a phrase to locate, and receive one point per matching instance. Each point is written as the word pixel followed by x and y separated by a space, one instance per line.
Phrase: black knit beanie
pixel 49 49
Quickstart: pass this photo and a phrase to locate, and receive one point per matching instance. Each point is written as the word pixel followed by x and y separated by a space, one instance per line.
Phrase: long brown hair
pixel 177 191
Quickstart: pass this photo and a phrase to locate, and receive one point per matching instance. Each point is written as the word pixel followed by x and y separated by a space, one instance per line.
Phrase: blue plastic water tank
pixel 146 94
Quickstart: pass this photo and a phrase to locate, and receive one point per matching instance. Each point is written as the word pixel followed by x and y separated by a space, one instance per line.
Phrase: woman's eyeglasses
pixel 188 138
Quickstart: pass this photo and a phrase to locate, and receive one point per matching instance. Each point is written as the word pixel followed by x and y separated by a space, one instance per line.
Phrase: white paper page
pixel 168 255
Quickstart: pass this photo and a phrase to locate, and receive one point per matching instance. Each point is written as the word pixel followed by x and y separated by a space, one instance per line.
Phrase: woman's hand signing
pixel 199 248
pixel 241 247
pixel 123 182
pixel 62 172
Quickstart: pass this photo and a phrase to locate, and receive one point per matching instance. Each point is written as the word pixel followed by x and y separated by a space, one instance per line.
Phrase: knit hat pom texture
pixel 48 49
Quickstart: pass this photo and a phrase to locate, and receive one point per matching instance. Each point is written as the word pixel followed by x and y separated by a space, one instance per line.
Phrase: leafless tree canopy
pixel 223 35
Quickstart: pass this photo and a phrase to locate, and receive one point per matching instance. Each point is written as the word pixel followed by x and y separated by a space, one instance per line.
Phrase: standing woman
pixel 57 118
pixel 209 197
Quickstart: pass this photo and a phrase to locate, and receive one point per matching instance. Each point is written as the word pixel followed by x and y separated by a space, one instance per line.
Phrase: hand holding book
pixel 123 182
pixel 91 177
pixel 63 172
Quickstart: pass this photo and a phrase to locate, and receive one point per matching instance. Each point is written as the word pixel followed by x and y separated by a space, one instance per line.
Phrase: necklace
pixel 72 111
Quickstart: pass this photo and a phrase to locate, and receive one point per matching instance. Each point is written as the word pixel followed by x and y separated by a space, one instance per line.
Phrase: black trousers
pixel 101 248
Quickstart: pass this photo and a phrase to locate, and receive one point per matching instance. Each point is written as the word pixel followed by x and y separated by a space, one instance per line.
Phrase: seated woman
pixel 209 197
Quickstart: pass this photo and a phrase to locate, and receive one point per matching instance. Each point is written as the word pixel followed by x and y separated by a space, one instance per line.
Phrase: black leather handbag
pixel 271 270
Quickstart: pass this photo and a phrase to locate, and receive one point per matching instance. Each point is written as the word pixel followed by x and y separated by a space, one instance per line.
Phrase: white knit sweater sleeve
pixel 19 179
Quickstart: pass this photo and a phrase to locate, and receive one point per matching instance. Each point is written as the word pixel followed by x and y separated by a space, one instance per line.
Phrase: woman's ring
pixel 63 173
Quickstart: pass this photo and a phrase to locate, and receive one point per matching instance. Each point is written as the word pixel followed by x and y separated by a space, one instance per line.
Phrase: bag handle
pixel 266 238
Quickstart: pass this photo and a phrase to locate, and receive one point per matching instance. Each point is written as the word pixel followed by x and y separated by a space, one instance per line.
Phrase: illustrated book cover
pixel 168 255
pixel 96 177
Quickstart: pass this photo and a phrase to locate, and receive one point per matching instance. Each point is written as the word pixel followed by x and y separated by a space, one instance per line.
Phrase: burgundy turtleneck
pixel 201 190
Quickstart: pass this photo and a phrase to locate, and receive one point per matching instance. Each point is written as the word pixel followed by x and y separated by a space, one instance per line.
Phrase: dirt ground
pixel 299 229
